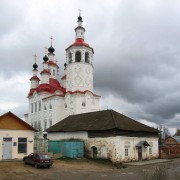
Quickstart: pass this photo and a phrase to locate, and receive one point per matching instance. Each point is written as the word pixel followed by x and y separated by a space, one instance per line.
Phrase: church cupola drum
pixel 79 61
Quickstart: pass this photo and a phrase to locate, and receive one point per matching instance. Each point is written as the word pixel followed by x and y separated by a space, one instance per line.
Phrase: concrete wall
pixel 15 134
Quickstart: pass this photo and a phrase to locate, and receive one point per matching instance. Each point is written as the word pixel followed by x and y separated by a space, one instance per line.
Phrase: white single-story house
pixel 16 137
pixel 108 134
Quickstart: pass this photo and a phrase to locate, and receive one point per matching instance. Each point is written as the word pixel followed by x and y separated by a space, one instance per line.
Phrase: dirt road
pixel 86 170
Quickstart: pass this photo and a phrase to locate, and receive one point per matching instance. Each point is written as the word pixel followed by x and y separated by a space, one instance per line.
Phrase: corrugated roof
pixel 99 120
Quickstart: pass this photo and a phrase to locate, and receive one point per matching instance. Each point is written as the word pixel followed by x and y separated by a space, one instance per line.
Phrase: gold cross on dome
pixel 79 12
pixel 51 40
pixel 45 49
pixel 35 56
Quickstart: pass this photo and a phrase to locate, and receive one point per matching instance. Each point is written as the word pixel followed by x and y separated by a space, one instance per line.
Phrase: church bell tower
pixel 79 74
pixel 79 61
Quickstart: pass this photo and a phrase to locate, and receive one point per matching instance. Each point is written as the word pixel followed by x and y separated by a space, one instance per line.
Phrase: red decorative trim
pixel 52 63
pixel 45 71
pixel 80 42
pixel 35 78
pixel 82 92
pixel 64 77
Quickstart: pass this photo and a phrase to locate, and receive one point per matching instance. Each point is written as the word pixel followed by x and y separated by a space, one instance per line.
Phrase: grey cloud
pixel 136 45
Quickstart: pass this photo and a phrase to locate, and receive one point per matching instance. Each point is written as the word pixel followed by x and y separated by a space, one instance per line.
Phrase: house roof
pixel 99 120
pixel 177 138
pixel 11 122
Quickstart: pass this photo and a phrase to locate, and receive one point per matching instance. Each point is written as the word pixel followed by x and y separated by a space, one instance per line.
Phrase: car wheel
pixel 25 162
pixel 36 166
pixel 48 166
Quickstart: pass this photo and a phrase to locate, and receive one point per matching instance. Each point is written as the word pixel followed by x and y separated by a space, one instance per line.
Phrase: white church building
pixel 51 101
pixel 70 110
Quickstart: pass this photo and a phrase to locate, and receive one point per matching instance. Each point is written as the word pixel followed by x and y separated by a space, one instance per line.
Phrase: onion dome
pixel 51 49
pixel 35 66
pixel 45 58
pixel 79 18
pixel 65 65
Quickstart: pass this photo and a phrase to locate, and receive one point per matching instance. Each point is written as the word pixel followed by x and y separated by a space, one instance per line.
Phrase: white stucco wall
pixel 114 148
pixel 79 76
pixel 74 103
pixel 83 135
pixel 15 134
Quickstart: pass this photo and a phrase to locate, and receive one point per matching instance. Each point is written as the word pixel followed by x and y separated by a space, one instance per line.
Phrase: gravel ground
pixel 84 169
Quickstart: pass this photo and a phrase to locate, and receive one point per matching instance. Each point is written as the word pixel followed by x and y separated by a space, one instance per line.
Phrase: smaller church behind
pixel 70 110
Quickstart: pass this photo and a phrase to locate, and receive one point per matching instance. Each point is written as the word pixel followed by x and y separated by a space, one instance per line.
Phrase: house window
pixel 78 56
pixel 22 145
pixel 87 57
pixel 50 106
pixel 126 152
pixel 50 123
pixel 53 72
pixel 31 107
pixel 39 105
pixel 45 107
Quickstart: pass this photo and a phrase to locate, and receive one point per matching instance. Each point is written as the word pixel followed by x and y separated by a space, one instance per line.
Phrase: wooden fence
pixel 169 152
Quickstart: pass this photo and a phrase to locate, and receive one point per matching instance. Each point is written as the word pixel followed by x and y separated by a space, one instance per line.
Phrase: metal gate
pixel 72 149
pixel 7 148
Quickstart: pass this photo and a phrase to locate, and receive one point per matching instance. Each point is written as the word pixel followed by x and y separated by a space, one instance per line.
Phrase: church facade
pixel 51 101
pixel 70 110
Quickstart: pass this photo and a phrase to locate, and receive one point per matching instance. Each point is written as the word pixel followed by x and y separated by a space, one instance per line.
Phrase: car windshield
pixel 44 156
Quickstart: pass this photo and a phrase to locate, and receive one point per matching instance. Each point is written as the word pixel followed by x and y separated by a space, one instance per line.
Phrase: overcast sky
pixel 136 60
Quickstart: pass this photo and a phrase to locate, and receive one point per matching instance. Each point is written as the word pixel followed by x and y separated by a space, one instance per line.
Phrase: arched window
pixel 70 57
pixel 87 57
pixel 83 104
pixel 78 56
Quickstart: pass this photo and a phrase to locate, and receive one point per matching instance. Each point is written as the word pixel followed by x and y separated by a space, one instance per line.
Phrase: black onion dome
pixel 51 49
pixel 45 58
pixel 35 66
pixel 79 18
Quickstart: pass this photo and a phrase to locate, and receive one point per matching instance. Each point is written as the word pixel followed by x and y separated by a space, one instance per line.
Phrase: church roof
pixel 99 120
pixel 53 86
pixel 80 42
